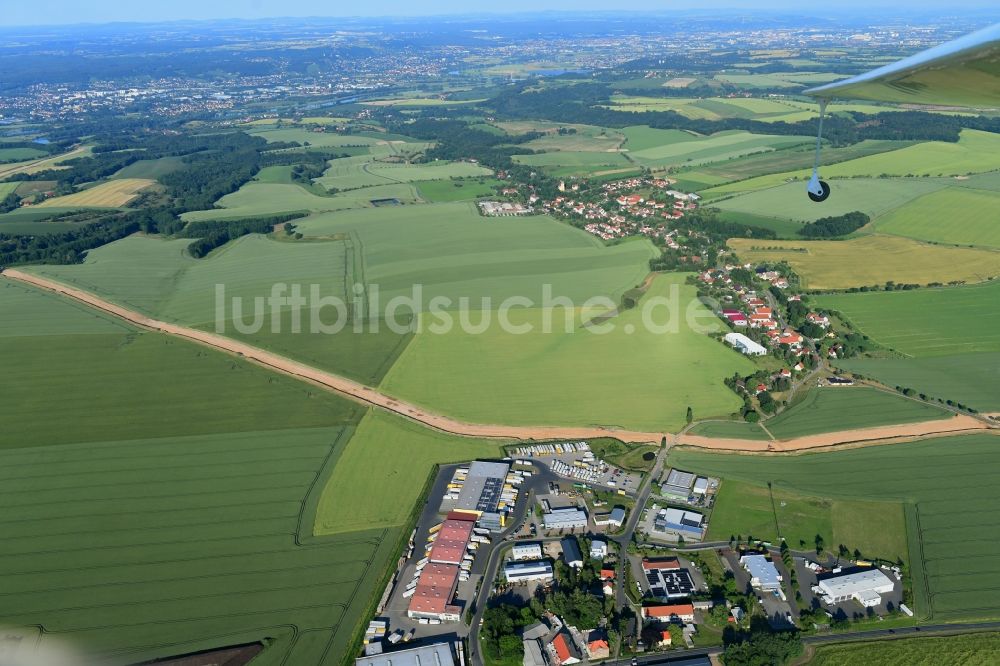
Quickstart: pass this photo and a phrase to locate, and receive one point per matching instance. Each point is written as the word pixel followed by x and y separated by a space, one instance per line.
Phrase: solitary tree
pixel 690 415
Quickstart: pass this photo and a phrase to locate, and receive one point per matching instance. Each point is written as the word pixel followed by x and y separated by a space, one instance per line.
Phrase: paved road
pixel 878 634
pixel 526 499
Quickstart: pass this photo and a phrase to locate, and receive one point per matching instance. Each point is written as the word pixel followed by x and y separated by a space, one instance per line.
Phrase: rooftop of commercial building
pixel 438 654
pixel 435 588
pixel 855 583
pixel 762 569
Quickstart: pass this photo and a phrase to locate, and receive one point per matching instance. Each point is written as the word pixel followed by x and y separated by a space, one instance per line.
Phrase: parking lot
pixel 778 610
pixel 846 609
pixel 580 467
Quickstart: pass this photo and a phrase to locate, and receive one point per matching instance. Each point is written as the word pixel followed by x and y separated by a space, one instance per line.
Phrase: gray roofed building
pixel 677 484
pixel 482 487
pixel 534 654
pixel 618 516
pixel 530 570
pixel 866 587
pixel 763 574
pixel 536 630
pixel 438 654
pixel 571 552
pixel 679 520
pixel 568 517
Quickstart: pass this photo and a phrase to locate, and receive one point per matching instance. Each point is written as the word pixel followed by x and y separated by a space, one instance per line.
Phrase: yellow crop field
pixel 871 260
pixel 34 166
pixel 112 194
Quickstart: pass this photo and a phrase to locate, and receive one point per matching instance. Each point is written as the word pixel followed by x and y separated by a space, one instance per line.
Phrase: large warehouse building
pixel 435 590
pixel 483 486
pixel 687 523
pixel 865 587
pixel 436 585
pixel 438 654
pixel 525 571
pixel 745 345
pixel 452 538
pixel 566 518
pixel 763 574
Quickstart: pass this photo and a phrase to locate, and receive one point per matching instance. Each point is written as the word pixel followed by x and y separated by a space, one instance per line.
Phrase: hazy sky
pixel 39 12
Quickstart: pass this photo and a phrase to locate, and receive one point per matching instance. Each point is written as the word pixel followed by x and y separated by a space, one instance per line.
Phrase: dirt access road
pixel 370 396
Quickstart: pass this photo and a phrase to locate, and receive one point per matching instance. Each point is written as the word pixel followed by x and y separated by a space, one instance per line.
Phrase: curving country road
pixel 367 395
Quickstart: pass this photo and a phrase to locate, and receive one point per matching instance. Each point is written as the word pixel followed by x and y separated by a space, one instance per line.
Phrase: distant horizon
pixel 109 13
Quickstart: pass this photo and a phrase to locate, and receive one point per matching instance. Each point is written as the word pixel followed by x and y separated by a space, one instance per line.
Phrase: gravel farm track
pixel 370 396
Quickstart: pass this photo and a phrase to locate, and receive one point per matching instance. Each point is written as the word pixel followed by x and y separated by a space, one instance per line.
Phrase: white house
pixel 598 549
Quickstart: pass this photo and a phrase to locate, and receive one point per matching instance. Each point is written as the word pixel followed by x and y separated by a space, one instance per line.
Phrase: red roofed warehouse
pixel 435 590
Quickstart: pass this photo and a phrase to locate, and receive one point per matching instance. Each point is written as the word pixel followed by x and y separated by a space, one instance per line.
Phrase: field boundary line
pixel 367 395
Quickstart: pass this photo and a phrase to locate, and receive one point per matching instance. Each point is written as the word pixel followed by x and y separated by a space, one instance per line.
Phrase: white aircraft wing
pixel 964 72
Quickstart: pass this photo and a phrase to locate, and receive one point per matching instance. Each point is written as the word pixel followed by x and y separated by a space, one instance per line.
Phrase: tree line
pixel 832 227
pixel 585 102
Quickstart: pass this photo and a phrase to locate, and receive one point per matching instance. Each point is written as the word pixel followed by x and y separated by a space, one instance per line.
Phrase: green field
pixel 872 260
pixel 21 153
pixel 959 215
pixel 7 188
pixel 53 347
pixel 550 378
pixel 926 322
pixel 978 649
pixel 829 409
pixel 318 139
pixel 952 557
pixel 975 152
pixel 401 456
pixel 783 227
pixel 954 354
pixel 448 249
pixel 872 196
pixel 453 251
pixel 466 189
pixel 745 509
pixel 643 137
pixel 729 430
pixel 784 160
pixel 704 150
pixel 584 163
pixel 266 198
pixel 626 456
pixel 35 221
pixel 166 505
pixel 969 379
pixel 151 169
pixel 349 173
pixel 719 108
pixel 586 138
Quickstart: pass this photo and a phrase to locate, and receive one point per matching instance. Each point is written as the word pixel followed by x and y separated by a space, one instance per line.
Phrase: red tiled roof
pixel 435 588
pixel 662 563
pixel 668 610
pixel 562 650
pixel 452 538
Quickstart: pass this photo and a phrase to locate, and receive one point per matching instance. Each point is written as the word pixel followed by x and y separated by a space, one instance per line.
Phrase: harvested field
pixel 111 194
